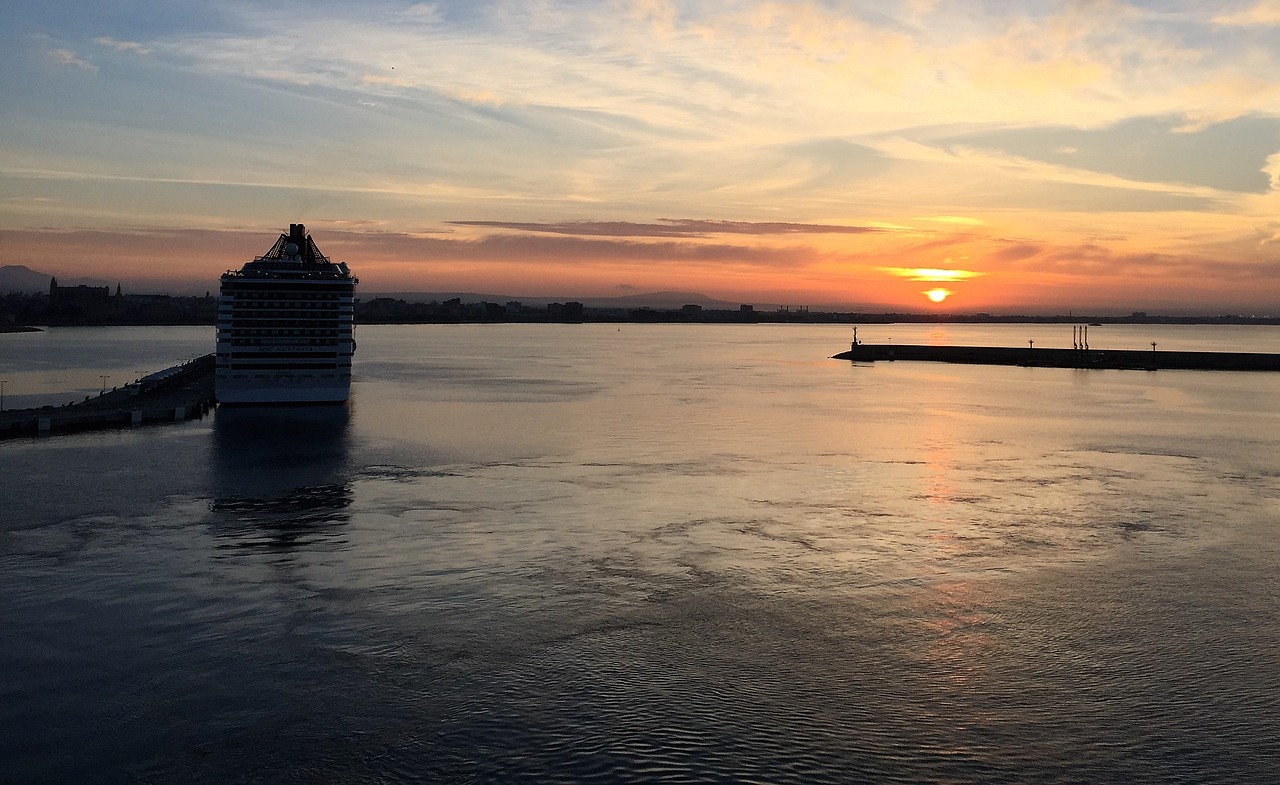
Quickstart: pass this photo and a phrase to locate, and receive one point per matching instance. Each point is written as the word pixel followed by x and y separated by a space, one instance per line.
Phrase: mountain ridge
pixel 663 299
pixel 22 279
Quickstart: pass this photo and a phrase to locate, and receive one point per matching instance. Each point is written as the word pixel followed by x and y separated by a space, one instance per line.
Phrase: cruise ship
pixel 285 323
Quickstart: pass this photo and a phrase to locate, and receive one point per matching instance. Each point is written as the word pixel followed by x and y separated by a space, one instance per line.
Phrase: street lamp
pixel 104 378
pixel 2 381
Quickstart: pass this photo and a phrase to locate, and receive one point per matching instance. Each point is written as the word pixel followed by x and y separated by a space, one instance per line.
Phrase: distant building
pixel 566 312
pixel 485 311
pixel 83 302
pixel 78 295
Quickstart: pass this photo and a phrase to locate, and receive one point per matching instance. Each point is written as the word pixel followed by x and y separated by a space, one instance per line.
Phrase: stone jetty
pixel 175 394
pixel 1029 356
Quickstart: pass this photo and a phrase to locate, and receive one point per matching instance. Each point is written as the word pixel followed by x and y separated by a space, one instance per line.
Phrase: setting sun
pixel 938 295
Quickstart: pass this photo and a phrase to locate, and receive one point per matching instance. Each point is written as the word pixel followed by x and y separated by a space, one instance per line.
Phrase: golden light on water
pixel 938 295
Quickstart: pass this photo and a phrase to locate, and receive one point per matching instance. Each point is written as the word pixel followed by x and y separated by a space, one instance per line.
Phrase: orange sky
pixel 1096 156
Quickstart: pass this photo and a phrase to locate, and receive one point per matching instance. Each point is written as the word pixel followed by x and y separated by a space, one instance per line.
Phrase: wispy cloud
pixel 71 59
pixel 932 274
pixel 696 67
pixel 671 227
pixel 513 247
pixel 1097 261
pixel 1264 12
pixel 123 46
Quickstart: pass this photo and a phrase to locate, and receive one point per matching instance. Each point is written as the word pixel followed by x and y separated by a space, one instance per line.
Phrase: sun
pixel 938 295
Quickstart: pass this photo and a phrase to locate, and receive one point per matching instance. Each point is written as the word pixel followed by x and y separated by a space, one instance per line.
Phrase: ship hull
pixel 281 391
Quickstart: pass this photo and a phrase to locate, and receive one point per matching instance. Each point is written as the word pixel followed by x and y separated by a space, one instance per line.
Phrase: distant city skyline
pixel 958 157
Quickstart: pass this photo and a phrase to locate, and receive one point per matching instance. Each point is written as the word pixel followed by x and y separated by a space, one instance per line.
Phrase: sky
pixel 992 156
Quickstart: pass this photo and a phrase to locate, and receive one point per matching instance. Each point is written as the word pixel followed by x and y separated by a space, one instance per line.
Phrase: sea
pixel 649 553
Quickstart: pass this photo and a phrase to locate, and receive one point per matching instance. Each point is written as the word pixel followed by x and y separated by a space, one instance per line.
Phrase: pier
pixel 1029 356
pixel 175 394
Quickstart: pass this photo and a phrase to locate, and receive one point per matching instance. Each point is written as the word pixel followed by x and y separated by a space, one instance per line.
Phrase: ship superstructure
pixel 285 327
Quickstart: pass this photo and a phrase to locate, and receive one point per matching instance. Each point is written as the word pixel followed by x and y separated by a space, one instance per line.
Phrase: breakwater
pixel 175 394
pixel 1113 359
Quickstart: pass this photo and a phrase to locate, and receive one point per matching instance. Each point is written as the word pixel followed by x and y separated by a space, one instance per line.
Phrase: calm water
pixel 655 553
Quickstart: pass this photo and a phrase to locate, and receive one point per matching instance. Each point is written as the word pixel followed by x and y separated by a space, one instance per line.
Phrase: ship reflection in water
pixel 282 476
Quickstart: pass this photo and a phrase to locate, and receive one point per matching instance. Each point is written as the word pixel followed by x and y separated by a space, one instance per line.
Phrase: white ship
pixel 285 324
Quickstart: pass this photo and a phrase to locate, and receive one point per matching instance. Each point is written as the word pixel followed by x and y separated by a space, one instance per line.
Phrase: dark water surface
pixel 654 553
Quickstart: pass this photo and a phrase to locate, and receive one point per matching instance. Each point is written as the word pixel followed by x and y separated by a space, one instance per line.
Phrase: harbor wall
pixel 180 393
pixel 1118 359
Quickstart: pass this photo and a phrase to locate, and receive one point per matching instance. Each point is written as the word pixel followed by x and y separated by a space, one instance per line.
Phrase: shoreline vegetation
pixel 30 312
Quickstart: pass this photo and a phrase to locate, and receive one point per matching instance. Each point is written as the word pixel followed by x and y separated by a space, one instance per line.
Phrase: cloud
pixel 423 12
pixel 69 58
pixel 710 93
pixel 671 227
pixel 1016 252
pixel 1094 261
pixel 1140 152
pixel 535 248
pixel 123 46
pixel 375 247
pixel 832 136
pixel 1272 171
pixel 1265 12
pixel 957 220
pixel 40 201
pixel 931 274
pixel 707 66
pixel 556 263
pixel 391 80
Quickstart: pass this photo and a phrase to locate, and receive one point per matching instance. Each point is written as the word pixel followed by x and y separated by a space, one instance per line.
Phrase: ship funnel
pixel 298 235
